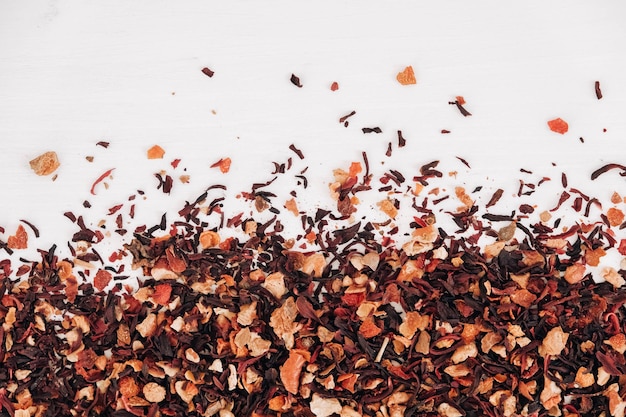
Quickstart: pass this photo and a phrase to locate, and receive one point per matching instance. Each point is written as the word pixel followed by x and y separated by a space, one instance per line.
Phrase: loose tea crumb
pixel 45 164
pixel 407 76
pixel 558 125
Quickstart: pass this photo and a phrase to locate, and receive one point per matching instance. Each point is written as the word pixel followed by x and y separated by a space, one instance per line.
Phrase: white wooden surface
pixel 75 73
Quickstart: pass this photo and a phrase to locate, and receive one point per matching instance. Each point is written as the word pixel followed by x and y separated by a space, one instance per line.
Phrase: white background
pixel 75 73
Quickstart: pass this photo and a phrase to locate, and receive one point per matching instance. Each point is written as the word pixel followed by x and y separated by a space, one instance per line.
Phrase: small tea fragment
pixel 155 152
pixel 223 164
pixel 334 86
pixel 290 371
pixel 208 72
pixel 407 76
pixel 19 240
pixel 45 164
pixel 558 125
pixel 295 80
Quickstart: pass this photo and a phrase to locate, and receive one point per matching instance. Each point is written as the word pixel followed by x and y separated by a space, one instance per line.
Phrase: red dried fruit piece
pixel 334 86
pixel 176 264
pixel 407 76
pixel 622 247
pixel 19 240
pixel 162 293
pixel 102 279
pixel 558 125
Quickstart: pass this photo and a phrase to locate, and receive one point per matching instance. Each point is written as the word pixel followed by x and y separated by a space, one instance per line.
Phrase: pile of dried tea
pixel 500 317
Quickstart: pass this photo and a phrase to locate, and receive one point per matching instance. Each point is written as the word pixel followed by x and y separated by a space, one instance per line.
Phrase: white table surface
pixel 75 73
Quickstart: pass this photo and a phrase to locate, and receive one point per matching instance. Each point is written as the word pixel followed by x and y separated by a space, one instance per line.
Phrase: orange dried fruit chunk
pixel 223 164
pixel 615 216
pixel 407 76
pixel 593 256
pixel 290 371
pixel 19 240
pixel 558 125
pixel 162 293
pixel 209 239
pixel 45 164
pixel 102 279
pixel 156 152
pixel 292 206
pixel 369 329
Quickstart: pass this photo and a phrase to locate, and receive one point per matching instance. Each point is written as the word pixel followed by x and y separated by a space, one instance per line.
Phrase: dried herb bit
pixel 372 130
pixel 607 168
pixel 445 131
pixel 495 197
pixel 558 125
pixel 100 179
pixel 459 105
pixel 401 140
pixel 104 144
pixel 463 161
pixel 206 71
pixel 223 164
pixel 598 90
pixel 344 119
pixel 295 81
pixel 297 151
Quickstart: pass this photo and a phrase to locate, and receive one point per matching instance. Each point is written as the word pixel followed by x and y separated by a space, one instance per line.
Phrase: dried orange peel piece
pixel 156 152
pixel 45 164
pixel 558 125
pixel 407 76
pixel 19 240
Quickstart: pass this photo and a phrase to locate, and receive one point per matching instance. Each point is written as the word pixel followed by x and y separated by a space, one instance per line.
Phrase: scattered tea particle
pixel 459 105
pixel 89 158
pixel 616 198
pixel 334 86
pixel 581 139
pixel 605 168
pixel 558 125
pixel 295 80
pixel 615 216
pixel 401 140
pixel 209 73
pixel 45 164
pixel 406 76
pixel 223 164
pixel 464 162
pixel 598 90
pixel 297 151
pixel 175 163
pixel 495 197
pixel 344 119
pixel 19 240
pixel 389 150
pixel 155 152
pixel 100 179
pixel 184 179
pixel 372 130
pixel 445 131
pixel 103 144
